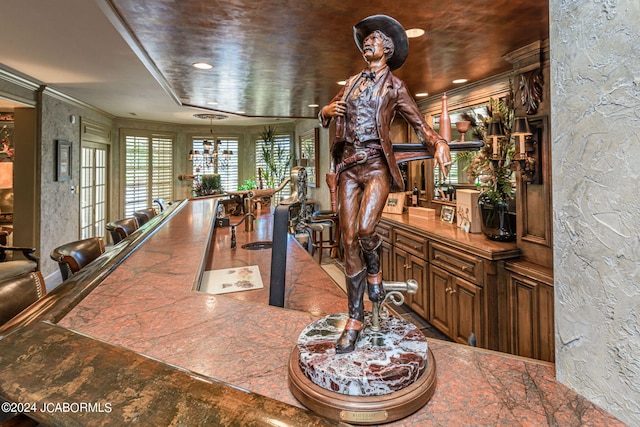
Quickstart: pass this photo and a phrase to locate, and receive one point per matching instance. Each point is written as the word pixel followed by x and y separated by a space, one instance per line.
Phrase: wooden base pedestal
pixel 365 410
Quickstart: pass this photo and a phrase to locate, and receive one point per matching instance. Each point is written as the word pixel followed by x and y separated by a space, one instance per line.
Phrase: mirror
pixel 444 189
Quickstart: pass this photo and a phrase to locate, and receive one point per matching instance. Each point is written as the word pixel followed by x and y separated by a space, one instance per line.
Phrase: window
pixel 148 170
pixel 273 164
pixel 227 164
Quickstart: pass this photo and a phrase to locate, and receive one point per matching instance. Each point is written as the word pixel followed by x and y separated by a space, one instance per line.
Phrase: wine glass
pixel 463 127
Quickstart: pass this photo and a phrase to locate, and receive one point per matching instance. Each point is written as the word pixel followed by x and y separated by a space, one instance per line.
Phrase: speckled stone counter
pixel 161 334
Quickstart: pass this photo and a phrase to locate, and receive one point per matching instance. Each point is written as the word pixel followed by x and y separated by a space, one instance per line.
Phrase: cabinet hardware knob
pixel 407 267
pixel 453 291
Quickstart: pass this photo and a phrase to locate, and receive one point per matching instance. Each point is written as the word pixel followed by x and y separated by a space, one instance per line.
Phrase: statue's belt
pixel 360 157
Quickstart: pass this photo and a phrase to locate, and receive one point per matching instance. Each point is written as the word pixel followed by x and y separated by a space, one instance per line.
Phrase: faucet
pixel 233 228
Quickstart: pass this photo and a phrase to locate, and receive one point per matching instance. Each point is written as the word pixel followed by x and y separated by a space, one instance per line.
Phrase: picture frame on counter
pixel 448 214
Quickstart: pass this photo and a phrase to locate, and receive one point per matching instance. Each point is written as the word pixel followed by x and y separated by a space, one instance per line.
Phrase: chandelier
pixel 211 156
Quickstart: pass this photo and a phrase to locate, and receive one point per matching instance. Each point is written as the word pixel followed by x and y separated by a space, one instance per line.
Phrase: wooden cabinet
pixel 408 266
pixel 468 313
pixel 469 285
pixel 530 302
pixel 455 306
pixel 440 304
pixel 386 259
pixel 460 275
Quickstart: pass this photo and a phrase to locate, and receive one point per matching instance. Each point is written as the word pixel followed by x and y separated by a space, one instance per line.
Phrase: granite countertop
pixel 450 234
pixel 148 307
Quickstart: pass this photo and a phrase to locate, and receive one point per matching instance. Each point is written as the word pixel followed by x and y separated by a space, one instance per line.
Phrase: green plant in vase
pixel 492 169
pixel 276 158
pixel 210 184
pixel 249 184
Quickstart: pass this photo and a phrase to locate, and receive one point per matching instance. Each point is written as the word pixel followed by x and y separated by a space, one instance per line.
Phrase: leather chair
pixel 122 228
pixel 162 204
pixel 144 215
pixel 17 267
pixel 74 256
pixel 18 293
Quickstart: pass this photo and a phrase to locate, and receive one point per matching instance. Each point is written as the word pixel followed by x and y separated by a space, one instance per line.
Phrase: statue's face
pixel 373 47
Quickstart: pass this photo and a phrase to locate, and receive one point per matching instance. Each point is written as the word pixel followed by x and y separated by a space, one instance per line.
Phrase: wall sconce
pixel 495 131
pixel 527 163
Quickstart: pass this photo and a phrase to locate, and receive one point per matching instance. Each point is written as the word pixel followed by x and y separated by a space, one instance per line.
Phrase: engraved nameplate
pixel 363 417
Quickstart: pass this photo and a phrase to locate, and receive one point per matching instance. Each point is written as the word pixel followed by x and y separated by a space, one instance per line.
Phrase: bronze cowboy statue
pixel 364 166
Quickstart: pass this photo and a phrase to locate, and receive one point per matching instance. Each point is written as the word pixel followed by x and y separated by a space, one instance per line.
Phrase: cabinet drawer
pixel 384 231
pixel 412 243
pixel 459 263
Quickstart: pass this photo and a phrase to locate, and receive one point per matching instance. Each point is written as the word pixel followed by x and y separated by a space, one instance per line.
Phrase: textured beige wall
pixel 595 95
pixel 59 206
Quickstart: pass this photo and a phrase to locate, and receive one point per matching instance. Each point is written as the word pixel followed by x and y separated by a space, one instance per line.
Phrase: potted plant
pixel 492 170
pixel 210 184
pixel 249 184
pixel 276 158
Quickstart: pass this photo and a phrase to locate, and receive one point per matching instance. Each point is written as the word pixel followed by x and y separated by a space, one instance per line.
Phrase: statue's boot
pixel 355 292
pixel 375 289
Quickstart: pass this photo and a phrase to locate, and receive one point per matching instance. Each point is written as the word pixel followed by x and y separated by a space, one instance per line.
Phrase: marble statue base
pixel 389 375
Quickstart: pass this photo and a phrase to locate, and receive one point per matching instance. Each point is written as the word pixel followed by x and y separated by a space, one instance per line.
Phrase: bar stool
pixel 144 215
pixel 122 228
pixel 321 222
pixel 17 267
pixel 74 256
pixel 18 293
pixel 162 204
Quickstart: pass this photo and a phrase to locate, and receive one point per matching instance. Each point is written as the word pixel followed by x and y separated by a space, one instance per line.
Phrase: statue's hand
pixel 335 109
pixel 443 157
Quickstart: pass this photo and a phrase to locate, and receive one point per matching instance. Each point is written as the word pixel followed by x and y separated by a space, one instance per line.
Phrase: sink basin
pixel 257 246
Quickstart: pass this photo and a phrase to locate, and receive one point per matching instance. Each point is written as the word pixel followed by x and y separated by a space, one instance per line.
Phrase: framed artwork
pixel 308 155
pixel 448 214
pixel 63 160
pixel 395 203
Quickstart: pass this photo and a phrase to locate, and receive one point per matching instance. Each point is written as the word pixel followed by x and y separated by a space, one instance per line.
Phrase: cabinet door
pixel 386 261
pixel 467 311
pixel 440 309
pixel 419 301
pixel 531 312
pixel 407 266
pixel 401 266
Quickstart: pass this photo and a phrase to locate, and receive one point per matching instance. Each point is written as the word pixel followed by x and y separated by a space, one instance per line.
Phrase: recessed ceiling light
pixel 342 82
pixel 239 112
pixel 212 103
pixel 202 66
pixel 422 94
pixel 412 33
pixel 458 81
pixel 313 105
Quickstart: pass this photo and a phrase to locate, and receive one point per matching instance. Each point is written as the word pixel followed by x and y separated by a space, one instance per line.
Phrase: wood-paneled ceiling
pixel 275 58
pixel 271 59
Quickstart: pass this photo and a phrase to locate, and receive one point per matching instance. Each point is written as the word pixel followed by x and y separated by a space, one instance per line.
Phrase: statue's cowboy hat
pixel 391 28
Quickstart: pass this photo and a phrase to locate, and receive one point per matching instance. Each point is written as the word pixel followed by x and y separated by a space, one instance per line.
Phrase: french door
pixel 93 189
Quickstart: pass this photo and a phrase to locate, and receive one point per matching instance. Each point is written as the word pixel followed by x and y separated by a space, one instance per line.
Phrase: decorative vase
pixel 445 120
pixel 498 218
